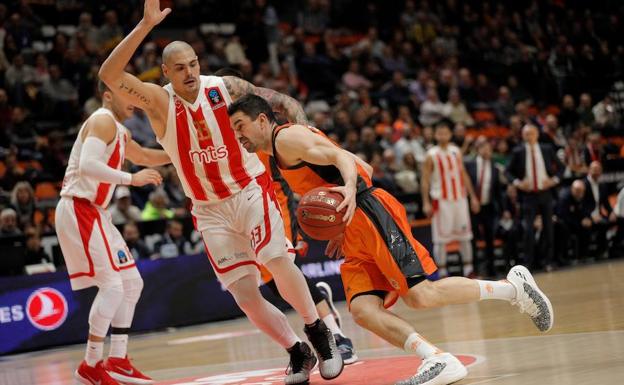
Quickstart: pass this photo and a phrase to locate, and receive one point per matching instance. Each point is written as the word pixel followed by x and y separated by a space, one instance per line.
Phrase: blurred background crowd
pixel 374 75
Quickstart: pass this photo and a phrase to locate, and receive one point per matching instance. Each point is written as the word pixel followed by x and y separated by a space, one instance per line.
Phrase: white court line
pixel 213 337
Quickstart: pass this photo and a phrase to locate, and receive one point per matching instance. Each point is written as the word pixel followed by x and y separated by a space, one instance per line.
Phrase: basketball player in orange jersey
pixel 95 252
pixel 234 207
pixel 446 181
pixel 382 259
pixel 321 292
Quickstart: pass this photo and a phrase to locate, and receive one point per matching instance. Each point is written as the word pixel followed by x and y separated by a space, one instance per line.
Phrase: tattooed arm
pixel 289 107
pixel 151 98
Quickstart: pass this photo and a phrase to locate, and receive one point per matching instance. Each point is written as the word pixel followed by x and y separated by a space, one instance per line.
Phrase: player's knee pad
pixel 103 309
pixel 132 289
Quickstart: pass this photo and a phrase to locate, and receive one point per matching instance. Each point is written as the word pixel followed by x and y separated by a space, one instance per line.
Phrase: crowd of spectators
pixel 375 76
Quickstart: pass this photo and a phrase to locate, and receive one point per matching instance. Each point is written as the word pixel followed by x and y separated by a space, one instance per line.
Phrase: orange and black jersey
pixel 305 176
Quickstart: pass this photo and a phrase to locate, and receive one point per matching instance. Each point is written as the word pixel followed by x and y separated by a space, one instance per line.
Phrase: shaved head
pixel 173 48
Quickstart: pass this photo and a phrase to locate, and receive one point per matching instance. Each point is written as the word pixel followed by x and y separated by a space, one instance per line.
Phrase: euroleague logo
pixel 46 308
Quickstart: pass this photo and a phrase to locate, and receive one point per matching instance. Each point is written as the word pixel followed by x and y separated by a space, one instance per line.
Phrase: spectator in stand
pixel 410 143
pixel 8 223
pixel 432 109
pixel 605 114
pixel 568 116
pixel 157 206
pixel 593 151
pixel 456 111
pixel 110 33
pixel 24 204
pixel 408 175
pixel 572 219
pixel 597 201
pixel 503 106
pixel 486 180
pixel 136 245
pixel 552 133
pixel 123 211
pixel 573 158
pixel 535 170
pixel 174 243
pixel 34 254
pixel 14 173
pixel 584 110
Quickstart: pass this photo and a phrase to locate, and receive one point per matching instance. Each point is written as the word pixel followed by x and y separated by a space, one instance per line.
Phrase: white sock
pixel 416 344
pixel 496 290
pixel 119 345
pixel 330 321
pixel 94 353
pixel 439 254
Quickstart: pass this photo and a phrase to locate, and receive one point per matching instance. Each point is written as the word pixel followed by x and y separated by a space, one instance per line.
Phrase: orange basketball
pixel 317 215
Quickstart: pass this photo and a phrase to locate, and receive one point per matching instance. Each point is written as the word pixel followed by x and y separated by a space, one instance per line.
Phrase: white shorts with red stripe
pixel 243 231
pixel 95 252
pixel 451 221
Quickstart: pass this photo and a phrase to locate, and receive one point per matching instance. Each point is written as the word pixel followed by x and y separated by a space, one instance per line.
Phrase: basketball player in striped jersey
pixel 383 261
pixel 321 292
pixel 445 188
pixel 94 250
pixel 234 206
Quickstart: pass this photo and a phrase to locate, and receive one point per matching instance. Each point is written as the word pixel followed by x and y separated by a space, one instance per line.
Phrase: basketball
pixel 317 215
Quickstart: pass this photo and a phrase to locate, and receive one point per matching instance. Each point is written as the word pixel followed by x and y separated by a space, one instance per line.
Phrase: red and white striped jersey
pixel 447 181
pixel 211 163
pixel 76 185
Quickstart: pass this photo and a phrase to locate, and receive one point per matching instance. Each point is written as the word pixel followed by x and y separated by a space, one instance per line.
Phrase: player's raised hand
pixel 348 192
pixel 146 176
pixel 152 14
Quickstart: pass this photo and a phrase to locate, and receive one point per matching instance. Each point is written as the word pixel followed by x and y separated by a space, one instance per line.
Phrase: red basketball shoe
pixel 122 370
pixel 93 375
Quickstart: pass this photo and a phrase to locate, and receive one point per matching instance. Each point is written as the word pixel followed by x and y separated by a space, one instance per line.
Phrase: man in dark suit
pixel 535 170
pixel 486 179
pixel 597 199
pixel 573 218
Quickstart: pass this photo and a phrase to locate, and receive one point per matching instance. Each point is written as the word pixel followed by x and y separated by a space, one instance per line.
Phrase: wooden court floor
pixel 586 345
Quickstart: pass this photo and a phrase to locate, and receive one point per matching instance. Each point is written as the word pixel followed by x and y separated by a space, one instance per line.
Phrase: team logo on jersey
pixel 215 98
pixel 121 255
pixel 203 132
pixel 46 308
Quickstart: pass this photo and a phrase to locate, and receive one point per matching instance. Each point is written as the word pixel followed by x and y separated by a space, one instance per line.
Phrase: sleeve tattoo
pixel 282 103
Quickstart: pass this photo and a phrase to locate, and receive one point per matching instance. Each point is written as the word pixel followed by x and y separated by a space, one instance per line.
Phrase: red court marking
pixel 378 371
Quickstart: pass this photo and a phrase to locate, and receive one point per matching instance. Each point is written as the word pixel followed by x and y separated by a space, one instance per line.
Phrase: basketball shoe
pixel 122 370
pixel 323 342
pixel 302 361
pixel 326 290
pixel 93 375
pixel 439 369
pixel 530 299
pixel 345 347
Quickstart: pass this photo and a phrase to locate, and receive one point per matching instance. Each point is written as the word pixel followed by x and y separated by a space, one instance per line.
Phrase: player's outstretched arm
pixel 147 157
pixel 296 144
pixel 149 97
pixel 288 106
pixel 99 132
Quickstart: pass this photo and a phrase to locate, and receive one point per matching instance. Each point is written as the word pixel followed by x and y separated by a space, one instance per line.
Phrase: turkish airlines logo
pixel 209 154
pixel 46 308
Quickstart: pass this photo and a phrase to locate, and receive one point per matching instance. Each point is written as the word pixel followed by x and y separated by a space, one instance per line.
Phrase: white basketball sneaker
pixel 440 369
pixel 530 299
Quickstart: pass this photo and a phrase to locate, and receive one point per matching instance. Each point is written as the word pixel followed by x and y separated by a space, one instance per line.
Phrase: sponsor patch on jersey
pixel 121 255
pixel 215 98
